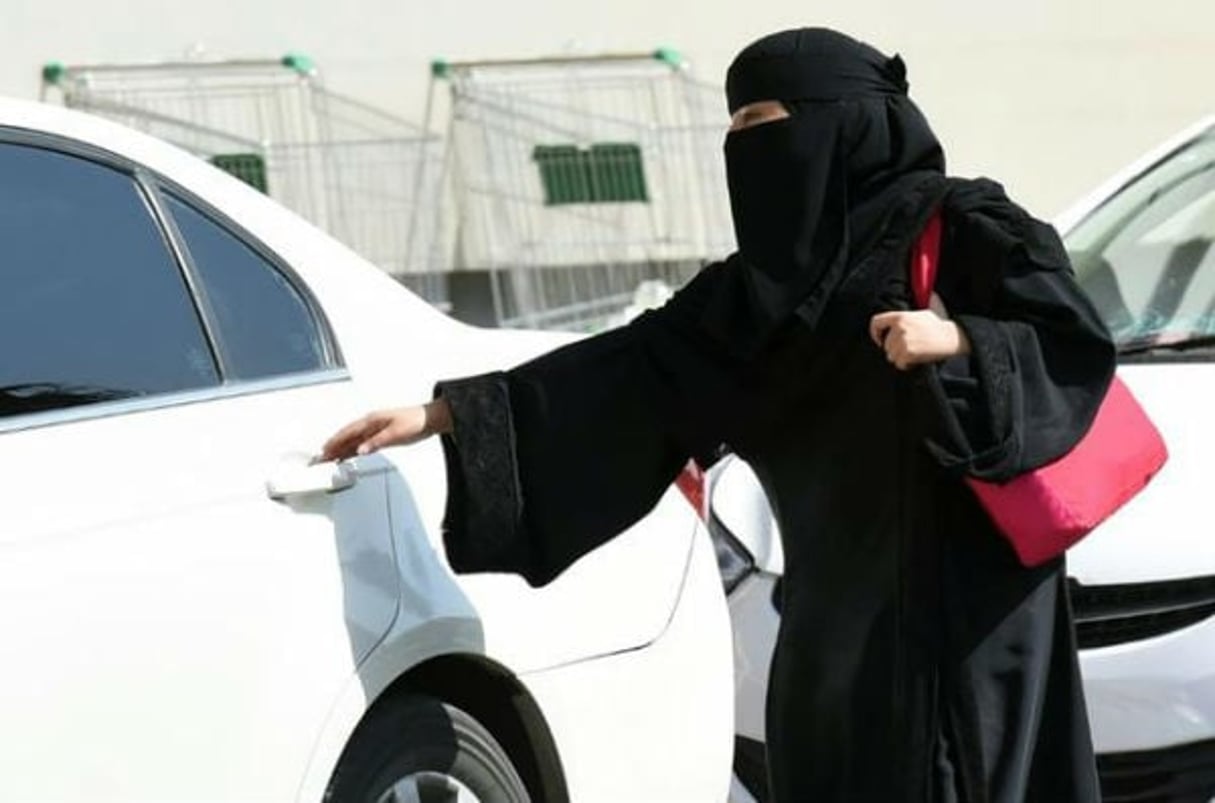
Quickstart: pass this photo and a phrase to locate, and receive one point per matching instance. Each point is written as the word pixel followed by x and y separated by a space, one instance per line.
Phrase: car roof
pixel 157 154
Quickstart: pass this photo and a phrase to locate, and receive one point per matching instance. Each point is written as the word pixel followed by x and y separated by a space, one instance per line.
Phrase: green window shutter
pixel 248 167
pixel 603 173
pixel 617 173
pixel 563 174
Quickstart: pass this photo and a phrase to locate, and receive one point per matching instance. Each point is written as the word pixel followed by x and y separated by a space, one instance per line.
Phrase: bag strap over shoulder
pixel 924 257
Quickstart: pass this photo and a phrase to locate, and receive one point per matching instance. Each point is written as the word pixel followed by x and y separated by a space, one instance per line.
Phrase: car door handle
pixel 298 479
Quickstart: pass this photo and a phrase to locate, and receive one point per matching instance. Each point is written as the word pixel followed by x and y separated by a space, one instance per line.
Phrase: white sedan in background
pixel 191 611
pixel 1143 585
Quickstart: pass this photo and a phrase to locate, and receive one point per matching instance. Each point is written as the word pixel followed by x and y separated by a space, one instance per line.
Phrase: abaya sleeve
pixel 1041 359
pixel 554 457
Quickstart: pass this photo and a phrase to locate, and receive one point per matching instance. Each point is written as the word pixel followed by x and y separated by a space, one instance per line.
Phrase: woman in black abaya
pixel 917 660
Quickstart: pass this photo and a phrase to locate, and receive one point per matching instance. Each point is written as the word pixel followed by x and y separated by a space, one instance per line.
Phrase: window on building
pixel 248 167
pixel 610 172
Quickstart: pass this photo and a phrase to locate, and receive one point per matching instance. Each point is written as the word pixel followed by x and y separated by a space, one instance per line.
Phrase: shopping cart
pixel 352 169
pixel 572 181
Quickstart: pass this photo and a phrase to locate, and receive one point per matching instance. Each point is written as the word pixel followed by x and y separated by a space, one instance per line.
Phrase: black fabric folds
pixel 551 459
pixel 917 660
pixel 811 64
pixel 1032 326
pixel 910 631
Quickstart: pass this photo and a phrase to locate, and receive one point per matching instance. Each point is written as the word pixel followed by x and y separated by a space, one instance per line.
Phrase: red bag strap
pixel 924 257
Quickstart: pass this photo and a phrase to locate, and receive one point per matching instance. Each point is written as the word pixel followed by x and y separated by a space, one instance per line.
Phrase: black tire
pixel 425 744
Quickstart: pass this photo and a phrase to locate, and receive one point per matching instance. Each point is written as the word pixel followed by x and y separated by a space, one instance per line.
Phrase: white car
pixel 189 610
pixel 1142 585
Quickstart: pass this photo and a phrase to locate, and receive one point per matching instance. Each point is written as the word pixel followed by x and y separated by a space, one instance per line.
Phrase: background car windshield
pixel 1146 257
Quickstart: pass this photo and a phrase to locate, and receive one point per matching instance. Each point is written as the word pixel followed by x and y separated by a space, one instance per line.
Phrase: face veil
pixel 809 193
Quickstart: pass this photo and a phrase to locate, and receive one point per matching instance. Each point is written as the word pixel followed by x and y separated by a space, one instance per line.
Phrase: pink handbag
pixel 1045 511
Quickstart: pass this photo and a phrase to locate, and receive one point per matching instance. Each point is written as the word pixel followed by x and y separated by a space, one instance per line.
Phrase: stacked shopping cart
pixel 352 169
pixel 575 180
pixel 538 192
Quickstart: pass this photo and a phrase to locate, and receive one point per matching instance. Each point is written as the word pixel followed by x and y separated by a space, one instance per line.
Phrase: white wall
pixel 1046 95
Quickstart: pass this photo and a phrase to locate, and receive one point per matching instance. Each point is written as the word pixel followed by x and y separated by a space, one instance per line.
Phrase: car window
pixel 265 327
pixel 93 307
pixel 1146 256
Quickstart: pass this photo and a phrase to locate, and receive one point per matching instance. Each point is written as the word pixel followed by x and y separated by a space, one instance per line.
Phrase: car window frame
pixel 151 185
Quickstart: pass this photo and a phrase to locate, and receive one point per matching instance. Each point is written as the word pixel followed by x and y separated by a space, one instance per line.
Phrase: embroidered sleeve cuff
pixel 482 523
pixel 993 363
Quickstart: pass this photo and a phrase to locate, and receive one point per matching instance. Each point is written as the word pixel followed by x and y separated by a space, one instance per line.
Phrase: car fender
pixel 403 648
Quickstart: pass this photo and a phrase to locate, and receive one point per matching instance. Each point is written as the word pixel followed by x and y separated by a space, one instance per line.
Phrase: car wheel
pixel 420 750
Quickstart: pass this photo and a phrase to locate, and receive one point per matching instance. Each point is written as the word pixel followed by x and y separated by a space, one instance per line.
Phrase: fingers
pixel 898 355
pixel 913 337
pixel 346 442
pixel 880 325
pixel 395 427
pixel 389 435
pixel 888 330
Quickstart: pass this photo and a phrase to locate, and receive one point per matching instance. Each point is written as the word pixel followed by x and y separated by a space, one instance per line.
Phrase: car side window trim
pixel 174 242
pixel 160 401
pixel 150 185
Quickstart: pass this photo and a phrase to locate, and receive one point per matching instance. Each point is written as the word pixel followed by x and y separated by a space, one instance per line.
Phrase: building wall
pixel 1048 96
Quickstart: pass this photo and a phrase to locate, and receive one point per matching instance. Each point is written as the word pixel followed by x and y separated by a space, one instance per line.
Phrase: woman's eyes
pixel 748 118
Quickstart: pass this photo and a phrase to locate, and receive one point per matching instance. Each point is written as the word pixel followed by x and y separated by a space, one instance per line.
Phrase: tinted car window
pixel 265 327
pixel 92 305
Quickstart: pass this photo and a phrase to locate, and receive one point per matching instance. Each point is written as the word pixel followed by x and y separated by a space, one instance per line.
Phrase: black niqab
pixel 809 193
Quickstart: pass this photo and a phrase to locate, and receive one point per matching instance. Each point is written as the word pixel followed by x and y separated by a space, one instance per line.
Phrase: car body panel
pixel 756 623
pixel 1157 535
pixel 1154 693
pixel 696 705
pixel 151 554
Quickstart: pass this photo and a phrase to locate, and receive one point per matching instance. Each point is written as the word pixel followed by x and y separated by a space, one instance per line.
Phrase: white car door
pixel 181 598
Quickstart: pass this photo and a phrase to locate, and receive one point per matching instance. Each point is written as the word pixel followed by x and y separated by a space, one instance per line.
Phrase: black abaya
pixel 917 660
